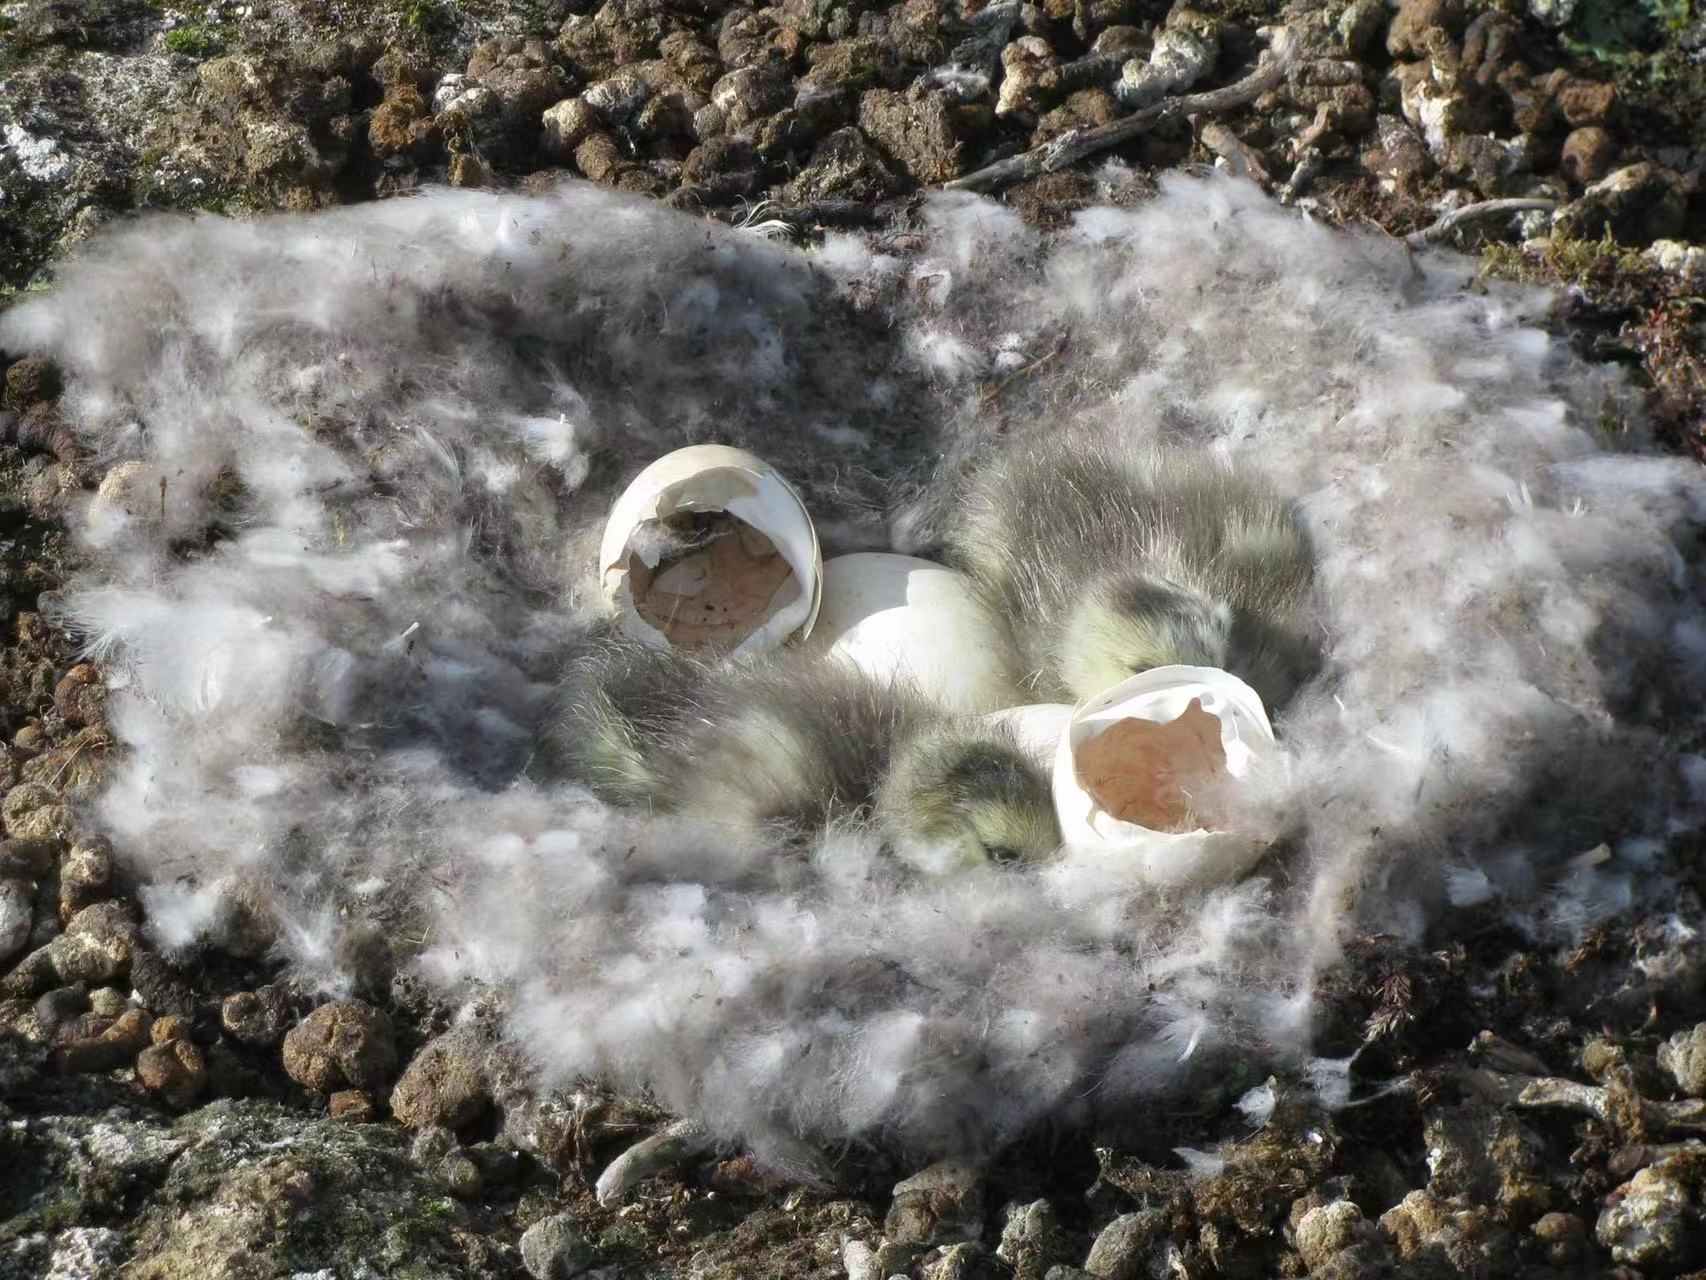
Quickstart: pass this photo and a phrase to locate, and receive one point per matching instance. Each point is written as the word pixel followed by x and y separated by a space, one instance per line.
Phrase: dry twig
pixel 1272 68
pixel 1441 230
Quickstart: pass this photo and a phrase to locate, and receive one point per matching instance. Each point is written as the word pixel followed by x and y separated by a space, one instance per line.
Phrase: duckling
pixel 1107 559
pixel 790 743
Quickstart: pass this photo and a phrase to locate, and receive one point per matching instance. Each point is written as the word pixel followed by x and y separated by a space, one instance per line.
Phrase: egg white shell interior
pixel 1163 858
pixel 714 477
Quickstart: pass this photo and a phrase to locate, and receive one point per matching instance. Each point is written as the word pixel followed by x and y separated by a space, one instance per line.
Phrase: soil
pixel 1513 1112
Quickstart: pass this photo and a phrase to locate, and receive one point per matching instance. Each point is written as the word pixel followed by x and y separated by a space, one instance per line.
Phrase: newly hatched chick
pixel 790 743
pixel 1108 559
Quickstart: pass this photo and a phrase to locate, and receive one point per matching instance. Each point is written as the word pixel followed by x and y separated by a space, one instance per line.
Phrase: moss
pixel 193 42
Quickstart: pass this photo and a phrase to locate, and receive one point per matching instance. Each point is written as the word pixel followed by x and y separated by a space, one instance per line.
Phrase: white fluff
pixel 429 403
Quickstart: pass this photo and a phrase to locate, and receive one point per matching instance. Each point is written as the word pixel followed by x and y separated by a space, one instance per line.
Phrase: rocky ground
pixel 1514 1113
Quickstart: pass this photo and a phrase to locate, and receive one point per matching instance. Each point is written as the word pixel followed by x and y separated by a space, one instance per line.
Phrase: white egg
pixel 901 618
pixel 743 593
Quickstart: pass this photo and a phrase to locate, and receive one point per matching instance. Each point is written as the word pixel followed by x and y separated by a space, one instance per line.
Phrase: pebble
pixel 344 1044
pixel 1645 1223
pixel 259 1018
pixel 1122 1247
pixel 174 1071
pixel 554 1249
pixel 445 1084
pixel 1683 1057
pixel 942 1204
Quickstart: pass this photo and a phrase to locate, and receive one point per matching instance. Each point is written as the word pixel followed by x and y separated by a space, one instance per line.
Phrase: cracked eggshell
pixel 1165 859
pixel 895 616
pixel 715 477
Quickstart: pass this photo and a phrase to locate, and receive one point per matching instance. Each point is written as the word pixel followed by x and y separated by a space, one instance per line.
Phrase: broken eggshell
pixel 898 617
pixel 712 478
pixel 1199 712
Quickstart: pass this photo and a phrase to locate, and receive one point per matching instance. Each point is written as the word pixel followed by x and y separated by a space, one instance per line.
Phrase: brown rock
pixel 468 170
pixel 598 157
pixel 112 1048
pixel 1410 35
pixel 845 166
pixel 29 382
pixel 1638 204
pixel 1586 102
pixel 1589 153
pixel 938 1205
pixel 757 37
pixel 354 1106
pixel 403 126
pixel 85 877
pixel 445 1084
pixel 33 811
pixel 918 129
pixel 175 1072
pixel 747 94
pixel 171 1027
pixel 345 1044
pixel 566 126
pixel 259 1018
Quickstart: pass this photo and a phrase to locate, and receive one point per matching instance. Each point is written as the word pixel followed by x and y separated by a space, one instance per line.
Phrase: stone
pixel 1180 58
pixel 519 72
pixel 403 127
pixel 942 1204
pixel 115 1047
pixel 80 695
pixel 468 170
pixel 1586 102
pixel 352 1106
pixel 174 1072
pixel 16 915
pixel 344 1044
pixel 1637 204
pixel 598 157
pixel 565 127
pixel 29 382
pixel 445 1084
pixel 85 876
pixel 750 93
pixel 554 1249
pixel 1023 62
pixel 33 810
pixel 1689 262
pixel 1032 1239
pixel 107 1002
pixel 1326 1230
pixel 1121 1248
pixel 920 130
pixel 260 1017
pixel 1588 154
pixel 1553 13
pixel 1360 26
pixel 1683 1058
pixel 845 166
pixel 161 987
pixel 1413 28
pixel 1645 1223
pixel 617 99
pixel 1458 1232
pixel 1563 1238
pixel 169 1028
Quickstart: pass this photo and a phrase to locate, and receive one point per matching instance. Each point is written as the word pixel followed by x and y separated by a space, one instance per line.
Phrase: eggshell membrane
pixel 1163 858
pixel 712 477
